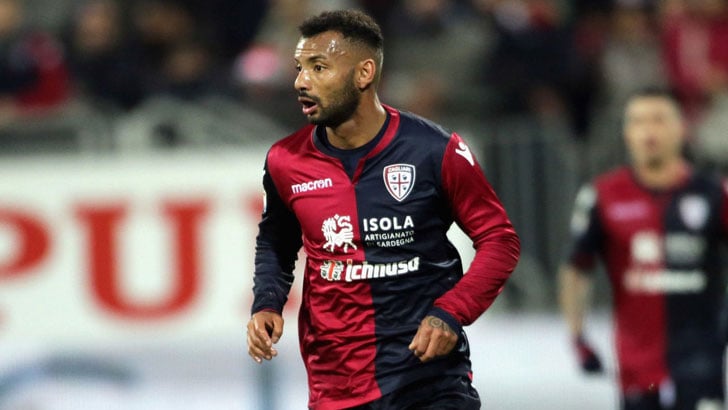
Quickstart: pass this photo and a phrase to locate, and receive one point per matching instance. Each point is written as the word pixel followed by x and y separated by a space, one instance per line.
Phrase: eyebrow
pixel 313 58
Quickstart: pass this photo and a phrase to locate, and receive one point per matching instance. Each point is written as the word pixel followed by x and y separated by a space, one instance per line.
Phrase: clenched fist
pixel 434 338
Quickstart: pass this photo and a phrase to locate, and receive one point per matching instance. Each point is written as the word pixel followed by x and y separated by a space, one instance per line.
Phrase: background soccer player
pixel 370 193
pixel 657 225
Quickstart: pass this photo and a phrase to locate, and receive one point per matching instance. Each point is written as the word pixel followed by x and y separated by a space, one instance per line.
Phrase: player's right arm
pixel 277 245
pixel 574 279
pixel 574 289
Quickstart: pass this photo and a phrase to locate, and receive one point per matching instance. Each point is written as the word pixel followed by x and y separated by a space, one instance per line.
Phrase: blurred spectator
pixel 630 60
pixel 158 28
pixel 105 69
pixel 696 51
pixel 380 10
pixel 632 57
pixel 534 66
pixel 49 15
pixel 188 72
pixel 591 21
pixel 710 144
pixel 33 74
pixel 583 8
pixel 229 24
pixel 434 56
pixel 267 62
pixel 264 72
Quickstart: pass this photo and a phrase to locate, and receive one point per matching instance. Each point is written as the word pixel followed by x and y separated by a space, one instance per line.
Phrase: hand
pixel 264 330
pixel 588 359
pixel 434 338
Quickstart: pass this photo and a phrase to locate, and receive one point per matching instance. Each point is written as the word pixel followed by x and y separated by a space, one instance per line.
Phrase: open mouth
pixel 308 105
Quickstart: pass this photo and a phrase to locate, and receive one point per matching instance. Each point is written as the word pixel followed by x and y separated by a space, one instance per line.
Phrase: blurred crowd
pixel 537 86
pixel 565 62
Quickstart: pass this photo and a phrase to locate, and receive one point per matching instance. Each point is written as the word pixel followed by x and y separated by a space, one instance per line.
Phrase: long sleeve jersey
pixel 378 259
pixel 661 251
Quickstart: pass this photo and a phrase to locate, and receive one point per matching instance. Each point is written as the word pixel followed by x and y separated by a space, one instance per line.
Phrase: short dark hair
pixel 354 25
pixel 656 92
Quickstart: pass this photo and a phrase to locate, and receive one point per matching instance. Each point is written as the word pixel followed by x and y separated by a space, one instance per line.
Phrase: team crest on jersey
pixel 694 211
pixel 339 233
pixel 399 180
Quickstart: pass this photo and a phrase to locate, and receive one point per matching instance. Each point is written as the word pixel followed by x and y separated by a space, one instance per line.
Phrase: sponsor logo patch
pixel 646 247
pixel 684 248
pixel 399 180
pixel 665 281
pixel 312 185
pixel 331 270
pixel 623 211
pixel 388 232
pixel 349 271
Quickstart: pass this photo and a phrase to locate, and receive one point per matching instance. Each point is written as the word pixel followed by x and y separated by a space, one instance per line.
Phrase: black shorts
pixel 437 393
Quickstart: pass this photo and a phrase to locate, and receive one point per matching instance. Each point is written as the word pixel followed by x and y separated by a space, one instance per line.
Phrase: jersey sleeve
pixel 587 234
pixel 480 214
pixel 276 249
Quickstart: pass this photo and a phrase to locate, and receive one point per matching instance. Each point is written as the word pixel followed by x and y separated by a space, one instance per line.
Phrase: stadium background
pixel 132 135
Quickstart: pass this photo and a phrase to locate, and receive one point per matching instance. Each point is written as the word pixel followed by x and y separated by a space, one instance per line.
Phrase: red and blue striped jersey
pixel 378 259
pixel 661 250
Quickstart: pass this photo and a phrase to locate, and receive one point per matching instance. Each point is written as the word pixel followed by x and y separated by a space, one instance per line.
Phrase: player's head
pixel 654 129
pixel 339 59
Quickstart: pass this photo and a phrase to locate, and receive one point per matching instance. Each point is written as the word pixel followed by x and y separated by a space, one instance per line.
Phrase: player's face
pixel 653 130
pixel 325 80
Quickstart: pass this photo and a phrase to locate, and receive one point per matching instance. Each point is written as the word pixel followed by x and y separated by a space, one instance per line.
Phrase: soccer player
pixel 370 192
pixel 657 225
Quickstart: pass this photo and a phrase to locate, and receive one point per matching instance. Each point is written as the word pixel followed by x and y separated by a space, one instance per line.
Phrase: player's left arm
pixel 480 214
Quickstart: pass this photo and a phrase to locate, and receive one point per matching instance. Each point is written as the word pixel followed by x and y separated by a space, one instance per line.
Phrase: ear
pixel 366 73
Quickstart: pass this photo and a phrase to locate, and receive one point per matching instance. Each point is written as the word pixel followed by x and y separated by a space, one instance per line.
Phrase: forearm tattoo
pixel 438 323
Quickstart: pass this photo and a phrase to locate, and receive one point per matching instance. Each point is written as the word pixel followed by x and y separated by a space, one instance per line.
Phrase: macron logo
pixel 464 152
pixel 312 185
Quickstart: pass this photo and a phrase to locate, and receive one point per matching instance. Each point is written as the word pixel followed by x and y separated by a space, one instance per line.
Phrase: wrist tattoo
pixel 438 323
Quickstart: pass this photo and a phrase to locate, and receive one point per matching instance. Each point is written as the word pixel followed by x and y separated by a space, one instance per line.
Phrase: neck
pixel 663 176
pixel 361 128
